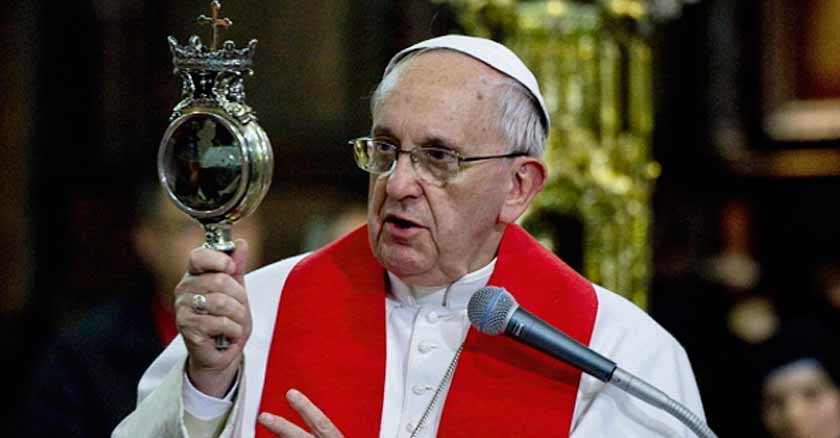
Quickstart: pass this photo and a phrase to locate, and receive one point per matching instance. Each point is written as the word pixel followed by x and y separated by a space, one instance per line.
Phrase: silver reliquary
pixel 215 161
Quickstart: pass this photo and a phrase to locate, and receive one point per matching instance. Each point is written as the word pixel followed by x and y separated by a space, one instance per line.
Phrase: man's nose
pixel 403 180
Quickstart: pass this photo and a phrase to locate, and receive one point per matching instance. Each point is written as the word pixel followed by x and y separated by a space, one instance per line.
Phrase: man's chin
pixel 401 267
pixel 402 261
pixel 414 273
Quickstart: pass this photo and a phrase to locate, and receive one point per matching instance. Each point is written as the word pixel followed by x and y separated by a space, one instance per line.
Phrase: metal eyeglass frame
pixel 360 142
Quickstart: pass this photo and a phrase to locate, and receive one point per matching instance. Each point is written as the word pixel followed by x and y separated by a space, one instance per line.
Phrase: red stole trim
pixel 504 389
pixel 329 338
pixel 329 342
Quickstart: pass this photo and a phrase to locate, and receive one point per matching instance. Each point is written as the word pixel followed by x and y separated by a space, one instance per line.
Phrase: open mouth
pixel 400 222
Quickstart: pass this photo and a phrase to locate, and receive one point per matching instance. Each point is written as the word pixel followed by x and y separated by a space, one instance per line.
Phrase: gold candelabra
pixel 593 61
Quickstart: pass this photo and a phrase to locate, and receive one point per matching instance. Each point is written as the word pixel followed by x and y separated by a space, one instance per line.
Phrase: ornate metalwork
pixel 215 161
pixel 196 56
pixel 212 77
pixel 215 23
pixel 214 135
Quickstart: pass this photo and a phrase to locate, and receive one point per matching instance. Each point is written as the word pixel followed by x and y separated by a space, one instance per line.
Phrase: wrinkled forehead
pixel 441 97
pixel 488 52
pixel 445 68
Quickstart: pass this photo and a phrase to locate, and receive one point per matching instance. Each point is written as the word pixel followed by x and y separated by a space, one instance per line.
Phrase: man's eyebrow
pixel 433 141
pixel 441 143
pixel 382 131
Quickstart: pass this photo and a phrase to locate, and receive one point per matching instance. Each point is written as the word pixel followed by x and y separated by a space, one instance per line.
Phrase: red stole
pixel 329 342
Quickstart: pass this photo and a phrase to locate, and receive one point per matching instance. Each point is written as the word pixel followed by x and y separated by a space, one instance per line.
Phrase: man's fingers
pixel 212 282
pixel 199 328
pixel 281 426
pixel 207 260
pixel 321 426
pixel 240 257
pixel 225 305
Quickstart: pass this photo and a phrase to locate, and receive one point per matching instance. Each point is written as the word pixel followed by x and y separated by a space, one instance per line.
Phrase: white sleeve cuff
pixel 203 406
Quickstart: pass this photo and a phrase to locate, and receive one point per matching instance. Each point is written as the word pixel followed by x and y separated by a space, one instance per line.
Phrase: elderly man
pixel 369 336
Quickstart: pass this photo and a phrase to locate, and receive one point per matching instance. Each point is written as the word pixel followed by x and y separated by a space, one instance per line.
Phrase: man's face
pixel 430 234
pixel 801 402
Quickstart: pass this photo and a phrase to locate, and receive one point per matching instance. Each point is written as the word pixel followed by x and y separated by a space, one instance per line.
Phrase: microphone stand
pixel 530 330
pixel 493 310
pixel 649 394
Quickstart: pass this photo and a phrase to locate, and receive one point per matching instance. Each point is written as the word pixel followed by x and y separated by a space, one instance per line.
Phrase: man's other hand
pixel 320 425
pixel 221 279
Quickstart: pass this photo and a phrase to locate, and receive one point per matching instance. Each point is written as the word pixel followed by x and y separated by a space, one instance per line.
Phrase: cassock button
pixel 419 389
pixel 432 317
pixel 425 347
pixel 410 426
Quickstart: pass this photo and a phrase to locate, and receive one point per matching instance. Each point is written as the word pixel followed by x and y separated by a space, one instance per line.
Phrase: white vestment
pixel 422 336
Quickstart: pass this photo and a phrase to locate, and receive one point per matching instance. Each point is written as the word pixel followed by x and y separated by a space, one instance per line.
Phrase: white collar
pixel 459 294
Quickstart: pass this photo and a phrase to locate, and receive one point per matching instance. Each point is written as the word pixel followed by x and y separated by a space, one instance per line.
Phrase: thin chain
pixel 446 378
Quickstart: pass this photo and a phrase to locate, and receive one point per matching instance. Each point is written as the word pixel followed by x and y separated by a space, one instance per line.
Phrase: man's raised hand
pixel 318 423
pixel 220 278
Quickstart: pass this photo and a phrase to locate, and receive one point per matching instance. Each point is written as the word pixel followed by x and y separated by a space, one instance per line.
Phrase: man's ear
pixel 528 177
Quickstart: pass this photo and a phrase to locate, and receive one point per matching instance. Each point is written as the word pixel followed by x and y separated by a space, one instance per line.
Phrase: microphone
pixel 493 310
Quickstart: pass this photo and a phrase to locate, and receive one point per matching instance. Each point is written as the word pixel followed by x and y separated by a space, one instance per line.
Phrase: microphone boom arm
pixel 653 396
pixel 493 310
pixel 533 331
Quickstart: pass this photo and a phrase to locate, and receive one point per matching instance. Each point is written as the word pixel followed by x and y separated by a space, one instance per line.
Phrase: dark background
pixel 86 90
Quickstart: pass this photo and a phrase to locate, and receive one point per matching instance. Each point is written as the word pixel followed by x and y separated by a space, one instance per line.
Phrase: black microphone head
pixel 490 308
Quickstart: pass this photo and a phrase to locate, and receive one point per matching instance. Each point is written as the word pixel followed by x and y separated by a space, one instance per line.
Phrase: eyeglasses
pixel 433 165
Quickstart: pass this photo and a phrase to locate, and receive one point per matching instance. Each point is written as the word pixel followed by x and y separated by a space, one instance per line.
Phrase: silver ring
pixel 199 304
